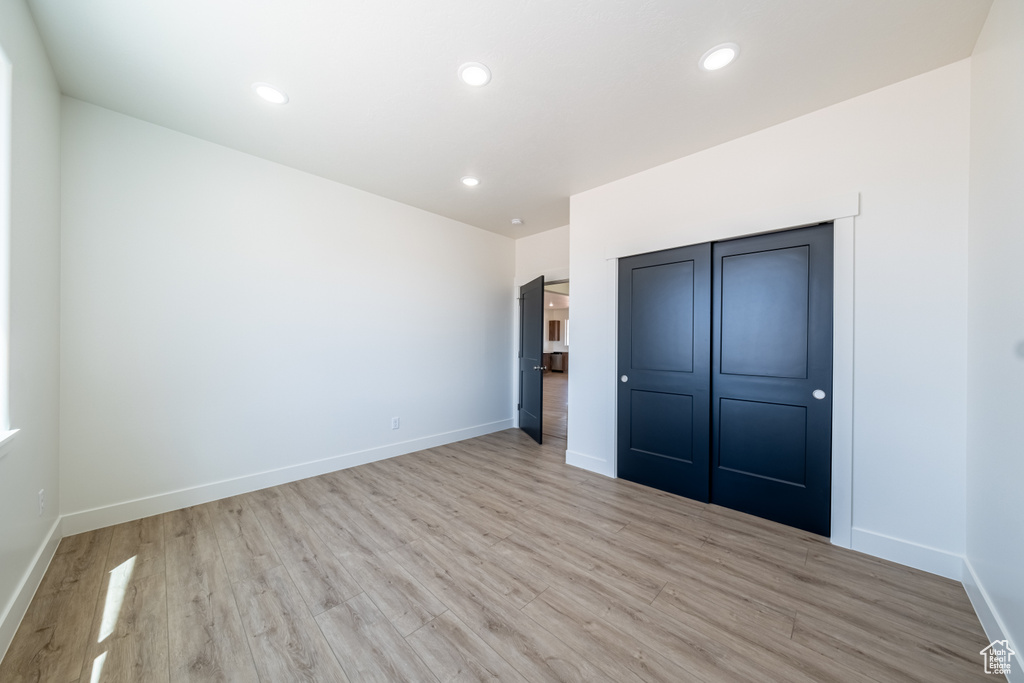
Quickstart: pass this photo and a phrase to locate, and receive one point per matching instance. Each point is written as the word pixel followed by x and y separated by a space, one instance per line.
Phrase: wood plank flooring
pixel 488 559
pixel 555 413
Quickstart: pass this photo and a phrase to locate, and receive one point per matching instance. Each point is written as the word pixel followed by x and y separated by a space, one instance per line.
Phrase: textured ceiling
pixel 583 91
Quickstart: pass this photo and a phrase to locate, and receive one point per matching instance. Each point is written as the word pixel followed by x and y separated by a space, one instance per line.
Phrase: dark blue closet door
pixel 664 367
pixel 771 380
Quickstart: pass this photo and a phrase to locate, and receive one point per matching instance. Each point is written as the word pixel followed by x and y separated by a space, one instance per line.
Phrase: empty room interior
pixel 285 382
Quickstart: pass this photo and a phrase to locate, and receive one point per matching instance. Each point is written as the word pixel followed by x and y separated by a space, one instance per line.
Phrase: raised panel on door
pixel 664 355
pixel 752 433
pixel 772 320
pixel 764 313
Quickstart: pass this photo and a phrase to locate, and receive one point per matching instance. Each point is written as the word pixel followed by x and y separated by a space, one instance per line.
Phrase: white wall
pixel 224 316
pixel 545 253
pixel 27 540
pixel 560 314
pixel 905 150
pixel 995 443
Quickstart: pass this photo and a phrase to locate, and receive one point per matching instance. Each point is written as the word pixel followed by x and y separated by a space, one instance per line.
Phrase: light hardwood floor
pixel 488 559
pixel 555 415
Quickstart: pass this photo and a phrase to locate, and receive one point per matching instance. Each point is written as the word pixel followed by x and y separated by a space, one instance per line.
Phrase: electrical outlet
pixel 395 422
pixel 42 501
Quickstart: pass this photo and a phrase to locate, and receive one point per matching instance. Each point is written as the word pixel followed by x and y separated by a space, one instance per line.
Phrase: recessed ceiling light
pixel 475 74
pixel 517 221
pixel 719 56
pixel 470 181
pixel 551 304
pixel 270 93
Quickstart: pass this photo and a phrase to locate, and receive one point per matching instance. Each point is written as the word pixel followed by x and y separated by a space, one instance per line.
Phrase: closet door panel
pixel 772 359
pixel 664 362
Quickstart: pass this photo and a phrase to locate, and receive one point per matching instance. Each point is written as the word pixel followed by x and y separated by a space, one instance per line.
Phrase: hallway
pixel 556 404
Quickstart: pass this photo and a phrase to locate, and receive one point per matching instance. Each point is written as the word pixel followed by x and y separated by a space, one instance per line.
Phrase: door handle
pixel 818 394
pixel 624 378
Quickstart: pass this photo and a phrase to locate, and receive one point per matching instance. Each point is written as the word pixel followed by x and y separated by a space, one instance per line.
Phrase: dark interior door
pixel 531 351
pixel 772 376
pixel 664 360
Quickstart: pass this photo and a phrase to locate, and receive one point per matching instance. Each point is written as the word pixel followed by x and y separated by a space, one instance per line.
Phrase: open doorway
pixel 556 359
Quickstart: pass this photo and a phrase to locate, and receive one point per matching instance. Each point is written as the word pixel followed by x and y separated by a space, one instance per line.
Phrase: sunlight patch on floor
pixel 119 578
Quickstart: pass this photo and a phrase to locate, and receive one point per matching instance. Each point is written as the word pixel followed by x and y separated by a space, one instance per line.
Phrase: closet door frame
pixel 841 211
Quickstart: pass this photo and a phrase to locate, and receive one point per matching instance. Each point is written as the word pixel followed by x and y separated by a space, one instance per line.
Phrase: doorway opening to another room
pixel 556 359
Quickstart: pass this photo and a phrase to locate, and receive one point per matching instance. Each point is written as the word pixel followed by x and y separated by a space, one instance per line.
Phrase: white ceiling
pixel 583 91
pixel 553 300
pixel 559 287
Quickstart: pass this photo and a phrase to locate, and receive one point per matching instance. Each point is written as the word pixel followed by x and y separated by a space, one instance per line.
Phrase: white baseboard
pixel 97 518
pixel 932 560
pixel 15 610
pixel 990 620
pixel 589 462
